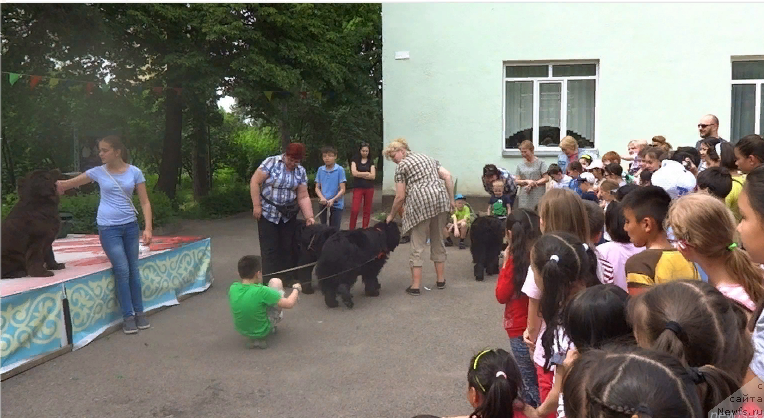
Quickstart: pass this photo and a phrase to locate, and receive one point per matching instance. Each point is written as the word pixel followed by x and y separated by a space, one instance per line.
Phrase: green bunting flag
pixel 105 87
pixel 269 95
pixel 53 82
pixel 13 78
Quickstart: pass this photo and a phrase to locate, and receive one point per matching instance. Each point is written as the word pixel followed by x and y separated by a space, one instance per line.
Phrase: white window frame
pixel 757 101
pixel 539 150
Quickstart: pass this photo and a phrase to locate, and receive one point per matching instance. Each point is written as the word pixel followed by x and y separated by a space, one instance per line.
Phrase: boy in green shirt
pixel 460 223
pixel 256 308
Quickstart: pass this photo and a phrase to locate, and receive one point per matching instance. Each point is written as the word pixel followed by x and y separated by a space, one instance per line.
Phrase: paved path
pixel 391 356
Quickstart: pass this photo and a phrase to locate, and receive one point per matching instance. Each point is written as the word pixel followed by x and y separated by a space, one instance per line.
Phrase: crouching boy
pixel 256 308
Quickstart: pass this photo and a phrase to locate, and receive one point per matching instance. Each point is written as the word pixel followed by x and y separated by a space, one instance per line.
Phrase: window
pixel 545 102
pixel 747 98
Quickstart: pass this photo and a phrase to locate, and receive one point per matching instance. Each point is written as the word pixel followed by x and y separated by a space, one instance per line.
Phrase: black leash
pixel 323 278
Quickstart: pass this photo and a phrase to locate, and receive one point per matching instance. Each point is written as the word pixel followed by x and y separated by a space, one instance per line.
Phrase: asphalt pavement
pixel 391 356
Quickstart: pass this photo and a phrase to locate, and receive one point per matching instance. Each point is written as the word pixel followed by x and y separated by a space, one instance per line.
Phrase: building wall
pixel 661 67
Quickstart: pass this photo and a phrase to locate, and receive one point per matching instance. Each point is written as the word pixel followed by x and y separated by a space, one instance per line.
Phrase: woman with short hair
pixel 569 148
pixel 427 191
pixel 279 191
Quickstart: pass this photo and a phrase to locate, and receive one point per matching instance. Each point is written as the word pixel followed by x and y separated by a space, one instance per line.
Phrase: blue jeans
pixel 527 370
pixel 120 243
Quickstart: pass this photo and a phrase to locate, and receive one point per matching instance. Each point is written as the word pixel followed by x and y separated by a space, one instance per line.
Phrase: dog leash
pixel 323 278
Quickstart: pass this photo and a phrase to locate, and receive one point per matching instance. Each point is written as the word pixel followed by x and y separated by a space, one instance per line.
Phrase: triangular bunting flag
pixel 178 90
pixel 68 84
pixel 34 81
pixel 303 95
pixel 89 88
pixel 158 90
pixel 105 87
pixel 13 78
pixel 139 88
pixel 317 95
pixel 269 95
pixel 331 95
pixel 53 82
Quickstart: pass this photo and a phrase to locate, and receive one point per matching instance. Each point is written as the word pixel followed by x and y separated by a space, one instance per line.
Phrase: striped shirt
pixel 280 186
pixel 426 194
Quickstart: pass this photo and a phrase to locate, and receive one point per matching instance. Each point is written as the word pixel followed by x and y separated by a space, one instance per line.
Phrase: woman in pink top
pixel 704 228
pixel 612 255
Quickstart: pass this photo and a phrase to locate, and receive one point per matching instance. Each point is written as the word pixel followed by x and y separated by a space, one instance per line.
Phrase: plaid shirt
pixel 426 194
pixel 280 186
pixel 510 187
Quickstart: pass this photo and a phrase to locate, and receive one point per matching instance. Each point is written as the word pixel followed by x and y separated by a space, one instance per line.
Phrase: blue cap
pixel 459 196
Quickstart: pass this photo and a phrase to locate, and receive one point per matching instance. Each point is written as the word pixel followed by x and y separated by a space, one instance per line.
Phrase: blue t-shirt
pixel 114 208
pixel 330 183
pixel 575 185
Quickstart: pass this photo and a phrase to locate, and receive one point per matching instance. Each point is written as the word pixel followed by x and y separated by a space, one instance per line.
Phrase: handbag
pixel 123 190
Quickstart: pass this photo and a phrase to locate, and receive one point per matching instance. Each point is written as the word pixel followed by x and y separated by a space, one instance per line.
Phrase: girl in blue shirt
pixel 118 224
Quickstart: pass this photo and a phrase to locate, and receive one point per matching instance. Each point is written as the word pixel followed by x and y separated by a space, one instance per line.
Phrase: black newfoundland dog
pixel 487 242
pixel 309 241
pixel 348 254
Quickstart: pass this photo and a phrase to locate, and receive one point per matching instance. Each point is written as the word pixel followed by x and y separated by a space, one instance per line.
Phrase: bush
pixel 232 199
pixel 9 199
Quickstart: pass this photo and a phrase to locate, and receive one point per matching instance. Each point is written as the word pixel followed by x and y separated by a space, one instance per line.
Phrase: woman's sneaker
pixel 141 322
pixel 128 326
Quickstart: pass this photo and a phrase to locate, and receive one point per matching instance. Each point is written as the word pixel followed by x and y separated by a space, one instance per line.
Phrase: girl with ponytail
pixel 705 229
pixel 694 322
pixel 562 266
pixel 639 383
pixel 494 385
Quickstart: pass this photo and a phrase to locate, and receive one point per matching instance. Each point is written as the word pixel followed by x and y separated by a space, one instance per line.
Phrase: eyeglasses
pixel 705 125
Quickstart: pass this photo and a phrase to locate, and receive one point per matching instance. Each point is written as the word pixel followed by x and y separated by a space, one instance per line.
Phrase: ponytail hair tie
pixel 675 328
pixel 732 246
pixel 554 258
pixel 501 374
pixel 644 409
pixel 697 376
pixel 586 247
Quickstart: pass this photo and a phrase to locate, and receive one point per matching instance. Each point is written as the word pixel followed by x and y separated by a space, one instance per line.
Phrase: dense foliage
pixel 159 70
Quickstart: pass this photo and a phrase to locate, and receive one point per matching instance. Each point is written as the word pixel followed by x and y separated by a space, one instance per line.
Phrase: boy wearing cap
pixel 460 223
pixel 586 184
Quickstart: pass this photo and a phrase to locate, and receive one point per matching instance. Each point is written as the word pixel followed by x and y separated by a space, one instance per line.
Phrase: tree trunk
pixel 171 149
pixel 200 154
pixel 8 157
pixel 284 128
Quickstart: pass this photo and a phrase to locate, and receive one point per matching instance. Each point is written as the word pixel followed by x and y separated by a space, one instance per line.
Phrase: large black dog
pixel 309 242
pixel 487 241
pixel 348 254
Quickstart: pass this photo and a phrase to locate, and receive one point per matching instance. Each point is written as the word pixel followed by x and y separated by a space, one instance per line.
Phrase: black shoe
pixel 462 245
pixel 448 243
pixel 413 292
pixel 406 239
pixel 441 285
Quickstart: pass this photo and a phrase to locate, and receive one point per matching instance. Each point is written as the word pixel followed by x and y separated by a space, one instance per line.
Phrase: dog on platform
pixel 31 227
pixel 348 254
pixel 486 243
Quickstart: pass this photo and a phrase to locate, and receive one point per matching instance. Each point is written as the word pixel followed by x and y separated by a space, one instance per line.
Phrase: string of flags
pixel 90 86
